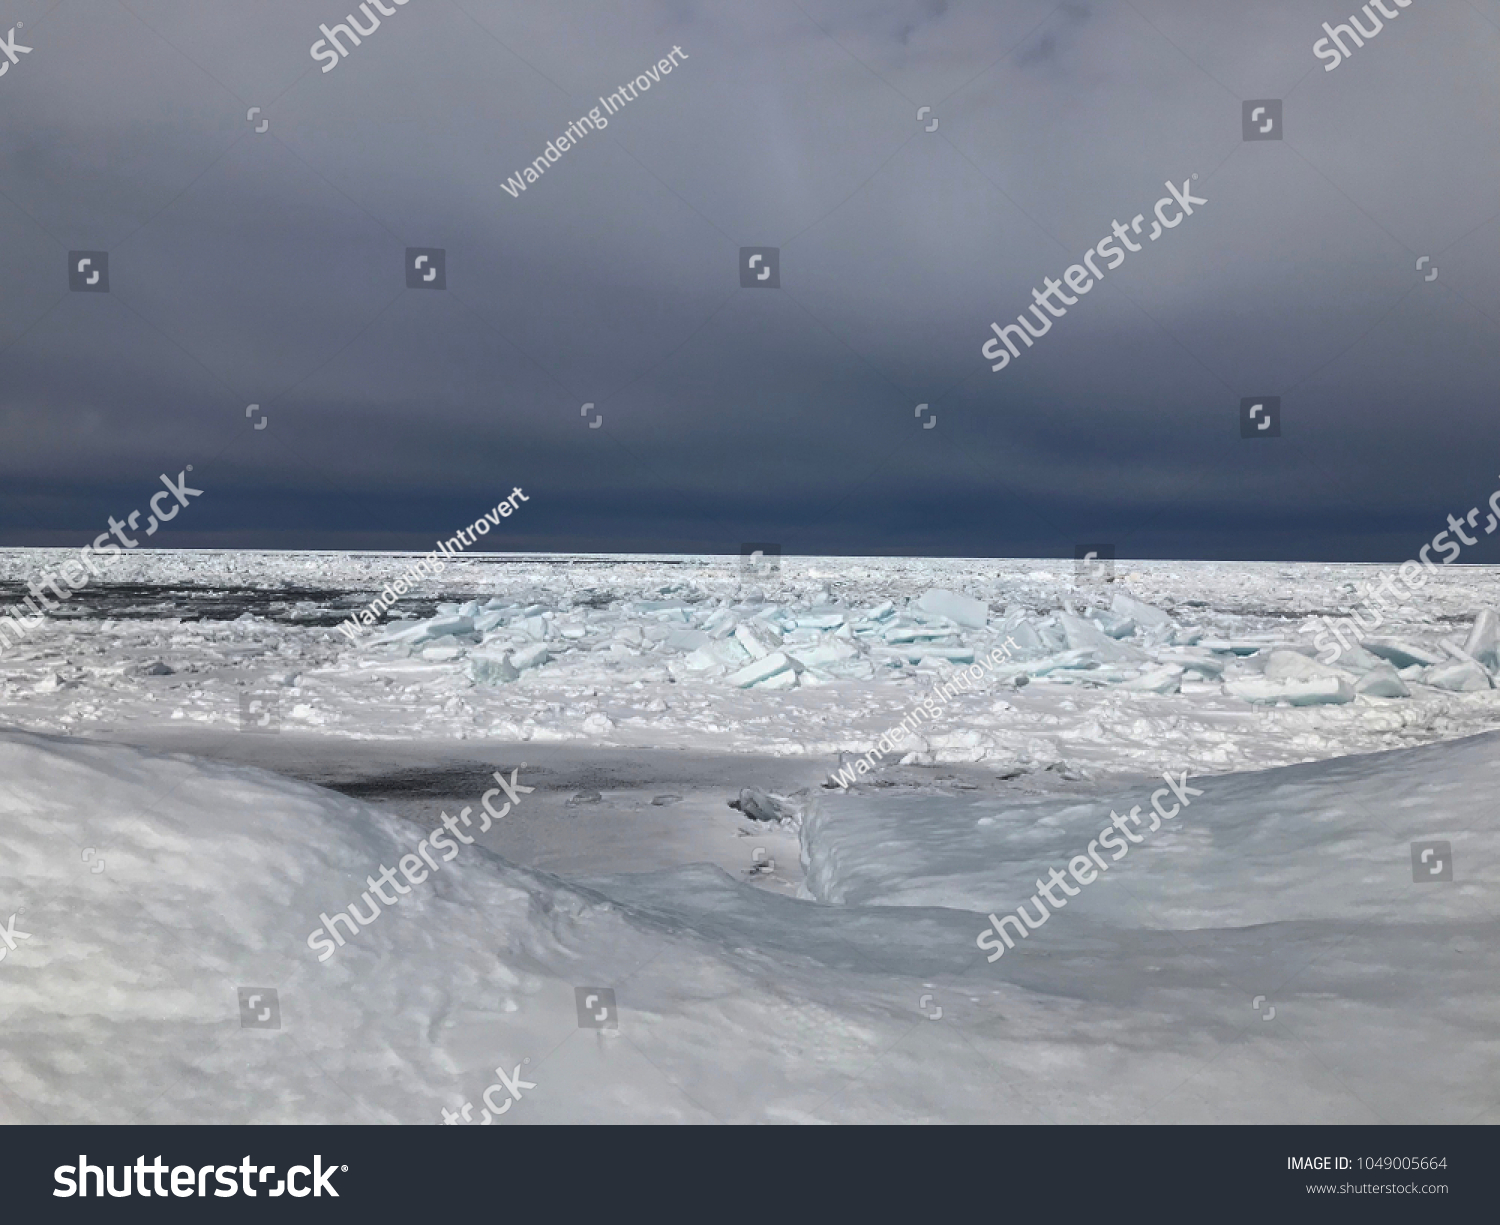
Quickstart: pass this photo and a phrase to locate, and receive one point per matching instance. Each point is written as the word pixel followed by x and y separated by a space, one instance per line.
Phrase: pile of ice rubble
pixel 751 643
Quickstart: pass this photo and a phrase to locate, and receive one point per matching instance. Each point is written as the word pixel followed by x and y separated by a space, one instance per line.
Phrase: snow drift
pixel 1291 886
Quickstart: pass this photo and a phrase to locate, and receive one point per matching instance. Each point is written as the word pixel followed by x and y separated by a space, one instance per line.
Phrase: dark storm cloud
pixel 268 268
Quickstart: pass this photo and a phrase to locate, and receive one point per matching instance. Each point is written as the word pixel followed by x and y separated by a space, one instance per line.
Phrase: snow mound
pixel 123 1002
pixel 1326 840
pixel 156 893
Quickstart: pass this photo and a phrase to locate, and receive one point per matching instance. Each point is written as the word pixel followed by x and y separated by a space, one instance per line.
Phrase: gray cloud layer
pixel 268 268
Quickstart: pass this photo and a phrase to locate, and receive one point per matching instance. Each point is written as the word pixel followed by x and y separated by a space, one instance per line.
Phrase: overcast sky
pixel 269 268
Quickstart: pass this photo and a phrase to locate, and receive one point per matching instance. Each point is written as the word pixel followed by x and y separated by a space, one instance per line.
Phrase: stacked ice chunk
pixel 749 642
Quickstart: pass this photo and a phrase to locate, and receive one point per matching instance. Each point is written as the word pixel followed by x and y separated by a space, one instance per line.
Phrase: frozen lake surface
pixel 203 730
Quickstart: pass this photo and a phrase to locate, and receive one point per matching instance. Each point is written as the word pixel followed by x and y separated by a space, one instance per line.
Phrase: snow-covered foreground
pixel 1268 955
pixel 1138 1002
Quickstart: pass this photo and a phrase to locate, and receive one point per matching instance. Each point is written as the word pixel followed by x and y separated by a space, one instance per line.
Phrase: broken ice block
pixel 1484 639
pixel 1021 639
pixel 1141 613
pixel 1403 653
pixel 761 806
pixel 1321 691
pixel 1115 626
pixel 960 609
pixel 914 633
pixel 685 640
pixel 1285 665
pixel 821 621
pixel 530 657
pixel 420 631
pixel 489 670
pixel 1458 677
pixel 1166 679
pixel 827 653
pixel 1085 635
pixel 1382 682
pixel 758 640
pixel 761 670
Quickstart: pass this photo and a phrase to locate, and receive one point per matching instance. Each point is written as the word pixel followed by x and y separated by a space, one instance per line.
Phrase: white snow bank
pixel 729 1003
pixel 1321 841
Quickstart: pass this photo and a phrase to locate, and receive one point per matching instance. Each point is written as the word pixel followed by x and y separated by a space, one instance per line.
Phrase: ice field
pixel 198 768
